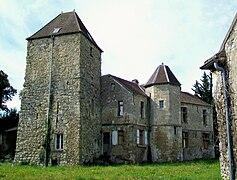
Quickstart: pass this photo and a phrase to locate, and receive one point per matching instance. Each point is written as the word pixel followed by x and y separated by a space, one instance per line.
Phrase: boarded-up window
pixel 205 137
pixel 120 137
pixel 120 108
pixel 185 139
pixel 184 114
pixel 114 137
pixel 204 115
pixel 59 141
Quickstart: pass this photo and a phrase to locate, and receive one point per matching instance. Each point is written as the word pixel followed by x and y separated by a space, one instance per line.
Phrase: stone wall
pixel 75 82
pixel 230 67
pixel 166 131
pixel 129 122
pixel 195 128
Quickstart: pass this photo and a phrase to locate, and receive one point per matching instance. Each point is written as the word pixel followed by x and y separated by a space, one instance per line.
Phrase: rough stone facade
pixel 226 59
pixel 74 109
pixel 71 115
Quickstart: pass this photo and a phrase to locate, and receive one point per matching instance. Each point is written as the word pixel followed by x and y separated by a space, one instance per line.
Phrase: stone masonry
pixel 71 115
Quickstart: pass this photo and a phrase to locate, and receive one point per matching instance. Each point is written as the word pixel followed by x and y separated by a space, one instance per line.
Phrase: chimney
pixel 135 81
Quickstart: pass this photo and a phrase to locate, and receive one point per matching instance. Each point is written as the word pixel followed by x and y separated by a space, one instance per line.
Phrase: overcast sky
pixel 135 35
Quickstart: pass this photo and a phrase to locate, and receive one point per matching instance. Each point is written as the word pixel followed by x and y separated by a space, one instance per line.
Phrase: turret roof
pixel 162 75
pixel 64 23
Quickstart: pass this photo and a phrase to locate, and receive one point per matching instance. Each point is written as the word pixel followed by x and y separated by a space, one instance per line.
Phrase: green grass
pixel 198 169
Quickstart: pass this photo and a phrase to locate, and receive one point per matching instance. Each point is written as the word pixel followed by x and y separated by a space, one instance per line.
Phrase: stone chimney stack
pixel 135 81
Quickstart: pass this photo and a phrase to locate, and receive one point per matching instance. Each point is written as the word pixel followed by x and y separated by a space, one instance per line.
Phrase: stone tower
pixel 60 115
pixel 166 130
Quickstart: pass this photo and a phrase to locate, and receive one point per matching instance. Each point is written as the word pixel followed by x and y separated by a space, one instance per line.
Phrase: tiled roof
pixel 188 98
pixel 133 87
pixel 67 23
pixel 162 75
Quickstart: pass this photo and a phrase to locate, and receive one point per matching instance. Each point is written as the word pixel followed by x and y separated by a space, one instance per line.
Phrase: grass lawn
pixel 198 169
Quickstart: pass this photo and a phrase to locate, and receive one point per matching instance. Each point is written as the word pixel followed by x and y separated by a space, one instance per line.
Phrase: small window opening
pixel 56 30
pixel 120 108
pixel 185 139
pixel 184 114
pixel 91 51
pixel 59 141
pixel 205 137
pixel 161 104
pixel 204 115
pixel 142 109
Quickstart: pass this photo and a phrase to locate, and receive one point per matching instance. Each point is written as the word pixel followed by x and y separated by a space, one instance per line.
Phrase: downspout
pixel 218 68
pixel 48 122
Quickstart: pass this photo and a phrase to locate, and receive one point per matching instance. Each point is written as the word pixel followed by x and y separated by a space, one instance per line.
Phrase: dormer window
pixel 56 30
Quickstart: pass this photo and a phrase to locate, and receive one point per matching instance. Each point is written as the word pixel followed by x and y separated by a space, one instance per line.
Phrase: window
pixel 120 137
pixel 185 139
pixel 120 108
pixel 142 138
pixel 117 137
pixel 142 109
pixel 59 141
pixel 56 30
pixel 161 104
pixel 91 51
pixel 112 86
pixel 204 115
pixel 114 137
pixel 184 114
pixel 175 130
pixel 205 137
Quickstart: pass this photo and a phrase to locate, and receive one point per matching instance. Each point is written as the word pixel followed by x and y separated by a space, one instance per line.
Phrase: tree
pixel 6 91
pixel 203 90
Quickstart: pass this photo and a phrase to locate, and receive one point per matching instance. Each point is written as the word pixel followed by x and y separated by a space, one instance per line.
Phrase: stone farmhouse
pixel 223 66
pixel 71 115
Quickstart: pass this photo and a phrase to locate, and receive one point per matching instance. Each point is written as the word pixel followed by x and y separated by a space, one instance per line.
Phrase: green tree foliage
pixel 6 91
pixel 9 119
pixel 203 90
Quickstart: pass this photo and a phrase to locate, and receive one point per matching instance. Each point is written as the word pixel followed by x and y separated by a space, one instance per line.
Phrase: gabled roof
pixel 208 64
pixel 188 98
pixel 131 86
pixel 162 75
pixel 67 23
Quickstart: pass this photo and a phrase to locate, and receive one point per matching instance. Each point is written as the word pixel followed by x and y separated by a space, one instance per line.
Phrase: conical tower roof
pixel 64 23
pixel 162 75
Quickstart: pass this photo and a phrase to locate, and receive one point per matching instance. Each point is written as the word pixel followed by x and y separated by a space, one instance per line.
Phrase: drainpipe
pixel 218 68
pixel 48 123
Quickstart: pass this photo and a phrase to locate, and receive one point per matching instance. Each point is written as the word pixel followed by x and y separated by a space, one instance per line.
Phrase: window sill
pixel 141 145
